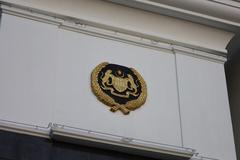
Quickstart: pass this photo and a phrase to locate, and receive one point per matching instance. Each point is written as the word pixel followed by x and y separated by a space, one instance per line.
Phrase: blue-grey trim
pixel 0 15
pixel 232 70
pixel 233 47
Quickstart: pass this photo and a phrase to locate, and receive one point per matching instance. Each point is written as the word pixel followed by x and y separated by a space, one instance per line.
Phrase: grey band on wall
pixel 0 14
pixel 233 46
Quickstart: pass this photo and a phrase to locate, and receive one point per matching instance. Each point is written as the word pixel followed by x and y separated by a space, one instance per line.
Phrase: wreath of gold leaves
pixel 103 97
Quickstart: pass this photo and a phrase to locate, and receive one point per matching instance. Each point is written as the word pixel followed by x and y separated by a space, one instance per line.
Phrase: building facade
pixel 49 50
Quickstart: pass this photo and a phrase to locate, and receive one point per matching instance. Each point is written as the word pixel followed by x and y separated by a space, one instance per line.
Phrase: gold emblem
pixel 119 87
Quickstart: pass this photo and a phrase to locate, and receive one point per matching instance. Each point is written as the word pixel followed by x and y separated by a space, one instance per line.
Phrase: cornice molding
pixel 118 143
pixel 27 129
pixel 97 139
pixel 199 54
pixel 78 136
pixel 185 14
pixel 81 26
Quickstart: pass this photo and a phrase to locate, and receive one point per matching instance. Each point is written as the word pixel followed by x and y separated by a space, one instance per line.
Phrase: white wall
pixel 205 113
pixel 27 70
pixel 45 77
pixel 157 120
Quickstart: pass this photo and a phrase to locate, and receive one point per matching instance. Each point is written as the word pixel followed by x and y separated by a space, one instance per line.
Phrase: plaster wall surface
pixel 205 111
pixel 45 77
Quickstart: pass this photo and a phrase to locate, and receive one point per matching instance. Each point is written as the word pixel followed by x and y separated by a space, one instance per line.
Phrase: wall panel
pixel 27 70
pixel 157 120
pixel 46 78
pixel 204 105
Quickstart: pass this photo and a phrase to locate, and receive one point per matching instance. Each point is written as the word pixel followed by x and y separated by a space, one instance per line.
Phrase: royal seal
pixel 119 87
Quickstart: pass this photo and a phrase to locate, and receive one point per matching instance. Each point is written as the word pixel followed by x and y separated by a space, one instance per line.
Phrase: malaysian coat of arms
pixel 119 87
